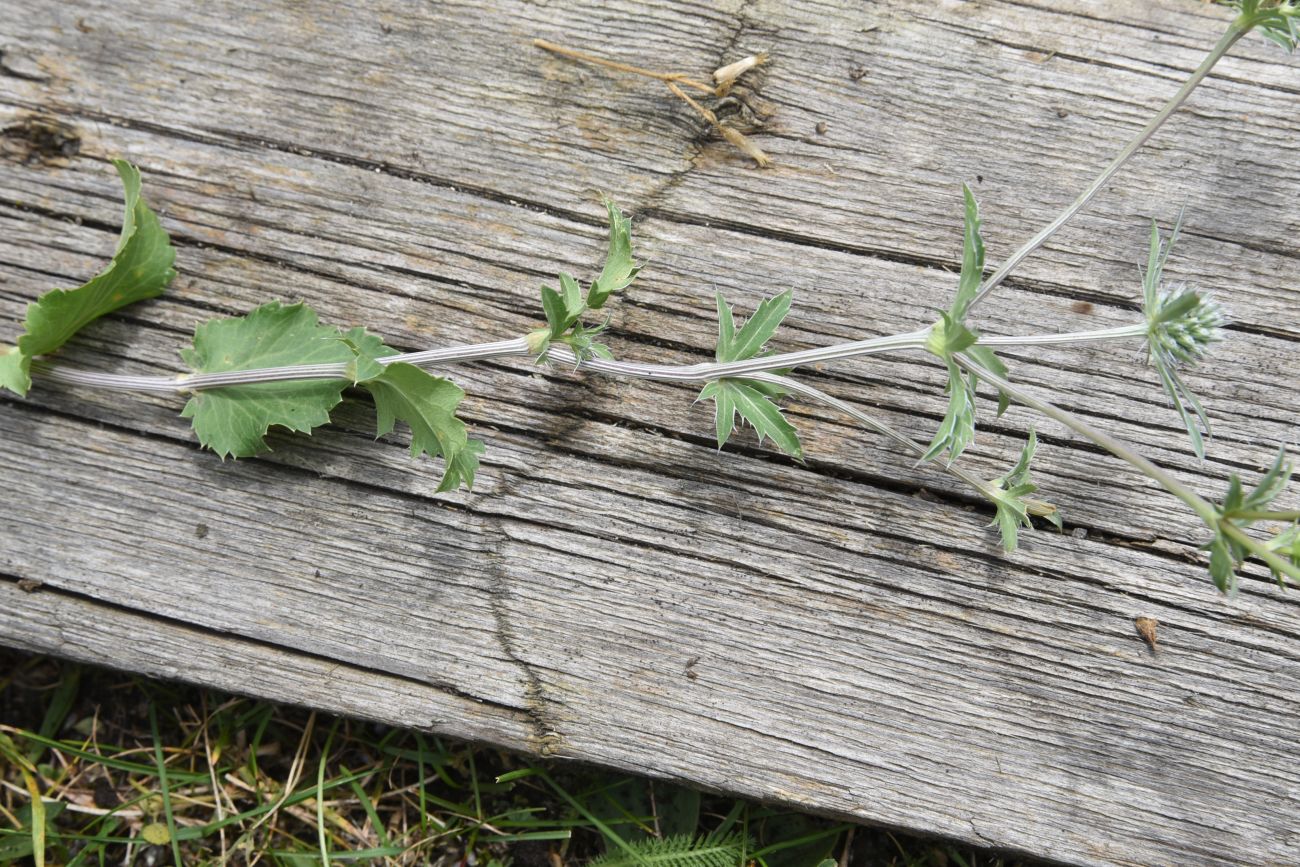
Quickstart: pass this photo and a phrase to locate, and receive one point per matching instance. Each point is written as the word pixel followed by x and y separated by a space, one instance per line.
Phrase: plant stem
pixel 583 56
pixel 796 387
pixel 432 357
pixel 518 347
pixel 1282 517
pixel 1122 450
pixel 1120 332
pixel 1235 31
pixel 1114 445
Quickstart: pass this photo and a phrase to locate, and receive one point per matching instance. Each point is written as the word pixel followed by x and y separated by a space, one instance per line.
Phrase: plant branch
pixel 1122 450
pixel 1114 445
pixel 574 54
pixel 985 489
pixel 518 347
pixel 1234 32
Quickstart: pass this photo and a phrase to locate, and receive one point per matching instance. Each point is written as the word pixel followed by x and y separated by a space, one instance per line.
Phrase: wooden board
pixel 845 635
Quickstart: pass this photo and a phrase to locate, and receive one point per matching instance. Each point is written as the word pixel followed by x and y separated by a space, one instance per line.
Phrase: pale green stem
pixel 795 387
pixel 1278 564
pixel 1234 32
pixel 1114 445
pixel 1283 517
pixel 518 347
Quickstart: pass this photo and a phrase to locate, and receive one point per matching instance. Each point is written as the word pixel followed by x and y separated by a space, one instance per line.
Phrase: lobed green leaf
pixel 234 420
pixel 753 400
pixel 428 404
pixel 141 268
pixel 620 269
pixel 757 330
pixel 564 309
pixel 1011 497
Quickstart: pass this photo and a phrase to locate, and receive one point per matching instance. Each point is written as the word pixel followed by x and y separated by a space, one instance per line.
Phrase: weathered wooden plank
pixel 839 653
pixel 616 590
pixel 43 620
pixel 883 178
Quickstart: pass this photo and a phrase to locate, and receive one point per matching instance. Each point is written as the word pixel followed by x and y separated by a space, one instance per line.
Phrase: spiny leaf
pixel 680 851
pixel 752 399
pixel 724 409
pixel 427 403
pixel 1270 485
pixel 1012 498
pixel 619 270
pixel 950 335
pixel 764 415
pixel 741 396
pixel 972 258
pixel 726 326
pixel 957 430
pixel 1243 509
pixel 1181 326
pixel 233 420
pixel 756 331
pixel 141 268
pixel 1188 407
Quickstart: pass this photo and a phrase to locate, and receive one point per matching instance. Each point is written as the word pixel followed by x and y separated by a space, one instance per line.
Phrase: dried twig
pixel 723 77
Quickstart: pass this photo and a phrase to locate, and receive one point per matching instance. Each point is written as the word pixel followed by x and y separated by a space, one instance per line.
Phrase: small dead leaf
pixel 1146 627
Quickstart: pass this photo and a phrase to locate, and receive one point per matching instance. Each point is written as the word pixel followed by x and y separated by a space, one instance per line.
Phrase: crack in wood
pixel 545 739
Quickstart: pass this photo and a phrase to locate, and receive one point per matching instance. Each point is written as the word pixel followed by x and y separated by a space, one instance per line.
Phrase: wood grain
pixel 857 644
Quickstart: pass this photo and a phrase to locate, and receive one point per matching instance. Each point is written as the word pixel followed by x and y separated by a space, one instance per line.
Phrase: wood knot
pixel 40 139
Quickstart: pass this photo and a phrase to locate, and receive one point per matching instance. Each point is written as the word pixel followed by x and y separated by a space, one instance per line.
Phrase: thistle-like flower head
pixel 1182 324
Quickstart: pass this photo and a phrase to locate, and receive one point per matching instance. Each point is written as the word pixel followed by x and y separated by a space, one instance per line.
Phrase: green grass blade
pixel 320 795
pixel 162 782
pixel 60 704
pixel 371 813
pixel 604 829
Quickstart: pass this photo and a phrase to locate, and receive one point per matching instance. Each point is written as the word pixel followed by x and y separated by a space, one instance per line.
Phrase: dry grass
pixel 133 772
